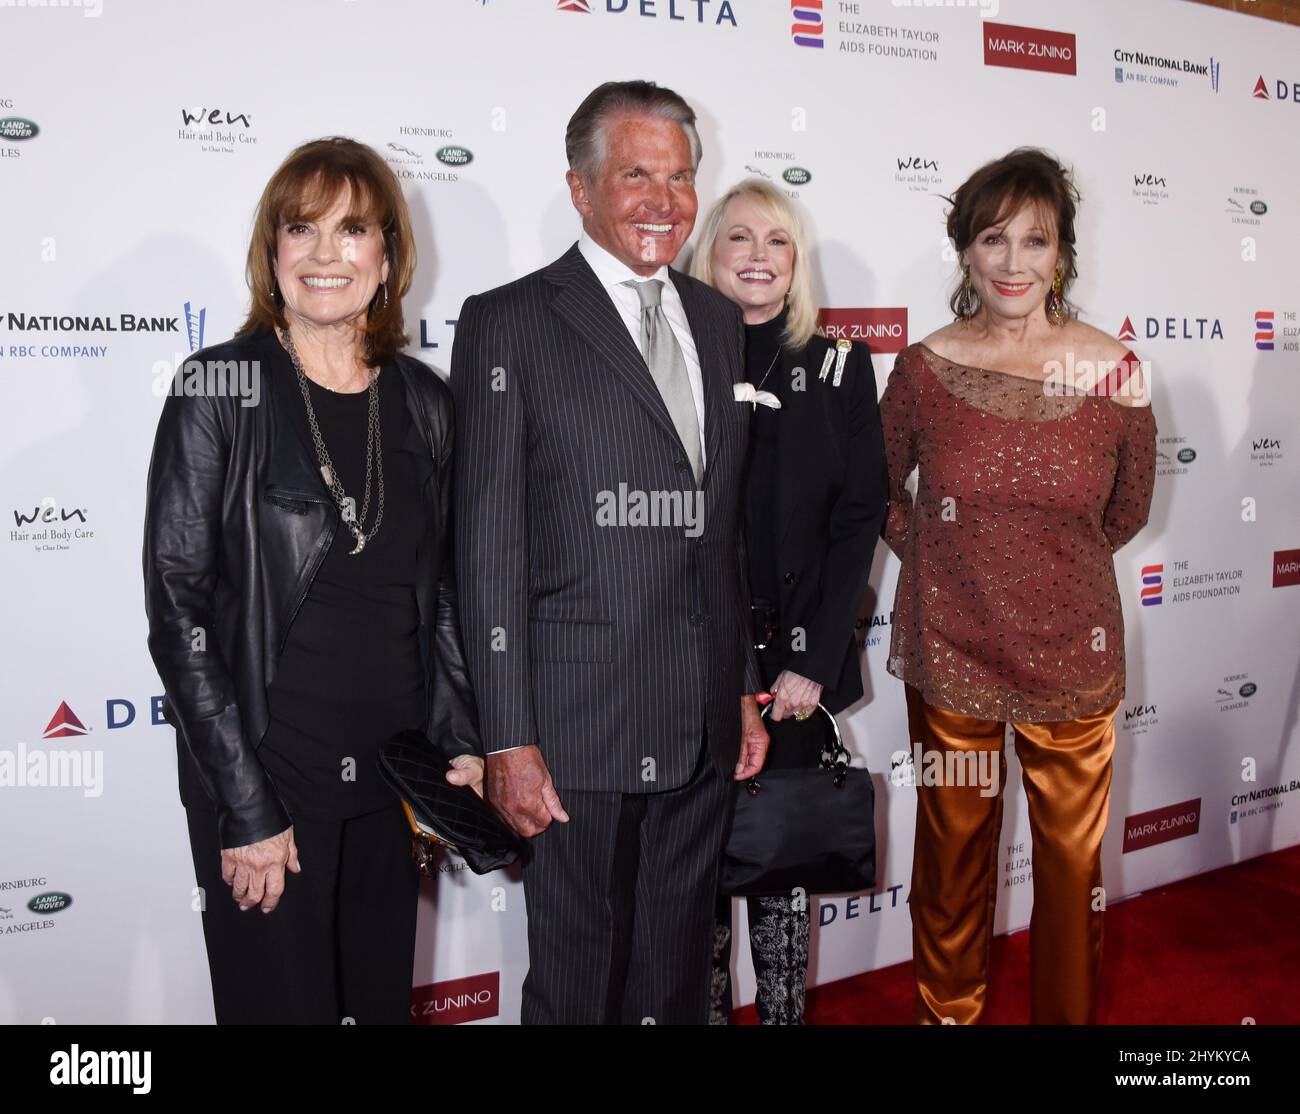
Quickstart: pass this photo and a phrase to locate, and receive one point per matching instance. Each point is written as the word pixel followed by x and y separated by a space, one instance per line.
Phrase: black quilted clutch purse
pixel 442 814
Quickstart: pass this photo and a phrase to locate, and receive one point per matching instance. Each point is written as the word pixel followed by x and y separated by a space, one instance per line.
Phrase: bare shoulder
pixel 950 342
pixel 1090 343
pixel 1118 377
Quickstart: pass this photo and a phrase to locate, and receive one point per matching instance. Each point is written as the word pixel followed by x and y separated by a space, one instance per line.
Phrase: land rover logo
pixel 1186 456
pixel 455 156
pixel 15 127
pixel 797 176
pixel 49 903
pixel 1258 208
pixel 1248 689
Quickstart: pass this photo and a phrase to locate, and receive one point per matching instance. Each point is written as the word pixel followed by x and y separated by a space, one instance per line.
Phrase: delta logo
pixel 1030 48
pixel 1173 328
pixel 1282 90
pixel 809 26
pixel 883 329
pixel 118 713
pixel 1153 585
pixel 1264 330
pixel 717 12
pixel 1286 568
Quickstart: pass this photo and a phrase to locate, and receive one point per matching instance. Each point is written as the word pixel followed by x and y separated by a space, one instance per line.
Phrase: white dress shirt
pixel 612 273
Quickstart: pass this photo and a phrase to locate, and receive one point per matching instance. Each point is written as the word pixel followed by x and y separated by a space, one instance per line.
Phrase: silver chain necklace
pixel 374 454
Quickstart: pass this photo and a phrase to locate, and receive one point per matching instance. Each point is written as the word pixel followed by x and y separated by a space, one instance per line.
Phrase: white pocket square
pixel 746 392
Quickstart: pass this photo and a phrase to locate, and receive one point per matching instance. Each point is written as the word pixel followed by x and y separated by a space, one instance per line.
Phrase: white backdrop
pixel 135 137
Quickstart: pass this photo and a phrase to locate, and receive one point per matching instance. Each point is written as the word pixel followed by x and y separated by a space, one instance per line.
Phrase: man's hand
pixel 519 787
pixel 255 872
pixel 794 696
pixel 753 740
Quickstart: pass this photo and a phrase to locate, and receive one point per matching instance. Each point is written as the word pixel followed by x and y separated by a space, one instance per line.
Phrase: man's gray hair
pixel 585 139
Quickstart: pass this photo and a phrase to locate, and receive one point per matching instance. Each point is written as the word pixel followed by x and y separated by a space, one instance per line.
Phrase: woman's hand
pixel 467 769
pixel 794 696
pixel 255 873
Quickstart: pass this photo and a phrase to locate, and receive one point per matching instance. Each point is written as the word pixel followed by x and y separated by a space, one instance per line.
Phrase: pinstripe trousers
pixel 620 905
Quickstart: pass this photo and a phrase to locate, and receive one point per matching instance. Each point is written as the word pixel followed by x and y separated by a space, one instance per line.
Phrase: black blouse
pixel 350 675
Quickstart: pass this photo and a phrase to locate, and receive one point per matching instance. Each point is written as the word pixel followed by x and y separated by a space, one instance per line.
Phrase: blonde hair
pixel 801 319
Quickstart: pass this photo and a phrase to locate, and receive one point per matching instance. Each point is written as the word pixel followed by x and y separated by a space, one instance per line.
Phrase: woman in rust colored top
pixel 1035 445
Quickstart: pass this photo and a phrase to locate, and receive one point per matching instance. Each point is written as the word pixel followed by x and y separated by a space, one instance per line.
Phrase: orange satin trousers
pixel 1067 769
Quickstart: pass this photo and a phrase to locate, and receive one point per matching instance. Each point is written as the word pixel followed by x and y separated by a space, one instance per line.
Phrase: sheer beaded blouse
pixel 1007 606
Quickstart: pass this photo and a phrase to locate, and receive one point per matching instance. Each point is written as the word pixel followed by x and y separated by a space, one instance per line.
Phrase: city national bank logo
pixel 717 12
pixel 884 329
pixel 1139 68
pixel 1235 692
pixel 1173 328
pixel 1286 568
pixel 1153 585
pixel 1161 825
pixel 1150 189
pixel 457 1000
pixel 1138 719
pixel 809 26
pixel 407 158
pixel 1030 48
pixel 1280 88
pixel 50 527
pixel 1259 802
pixel 76 347
pixel 917 174
pixel 217 131
pixel 195 320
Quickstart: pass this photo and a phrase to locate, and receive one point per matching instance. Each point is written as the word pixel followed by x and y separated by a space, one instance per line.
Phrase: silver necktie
pixel 663 356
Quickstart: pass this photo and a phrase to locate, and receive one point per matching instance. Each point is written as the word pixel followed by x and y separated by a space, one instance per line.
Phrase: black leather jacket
pixel 237 524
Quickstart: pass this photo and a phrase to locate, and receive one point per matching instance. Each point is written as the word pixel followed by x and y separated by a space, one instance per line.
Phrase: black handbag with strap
pixel 804 828
pixel 443 815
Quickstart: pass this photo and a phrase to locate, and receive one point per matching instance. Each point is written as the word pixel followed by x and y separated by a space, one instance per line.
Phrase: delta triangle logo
pixel 1126 331
pixel 1261 89
pixel 65 724
pixel 573 6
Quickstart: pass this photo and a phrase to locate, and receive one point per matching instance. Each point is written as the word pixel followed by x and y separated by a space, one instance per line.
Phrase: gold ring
pixel 802 715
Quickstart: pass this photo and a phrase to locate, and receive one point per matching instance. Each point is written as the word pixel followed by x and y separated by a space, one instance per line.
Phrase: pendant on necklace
pixel 361 544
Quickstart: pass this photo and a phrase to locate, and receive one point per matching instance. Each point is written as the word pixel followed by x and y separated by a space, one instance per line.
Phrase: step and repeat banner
pixel 135 137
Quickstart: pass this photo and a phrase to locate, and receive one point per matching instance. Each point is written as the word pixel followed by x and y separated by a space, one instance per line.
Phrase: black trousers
pixel 341 943
pixel 620 906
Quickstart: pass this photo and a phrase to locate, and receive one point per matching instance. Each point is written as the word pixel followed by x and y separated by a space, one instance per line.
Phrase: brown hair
pixel 306 185
pixel 1000 189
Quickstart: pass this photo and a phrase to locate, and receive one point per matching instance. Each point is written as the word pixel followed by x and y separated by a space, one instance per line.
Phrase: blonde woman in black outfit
pixel 815 498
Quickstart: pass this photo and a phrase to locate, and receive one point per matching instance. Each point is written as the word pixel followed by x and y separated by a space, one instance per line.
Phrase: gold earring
pixel 1056 300
pixel 966 302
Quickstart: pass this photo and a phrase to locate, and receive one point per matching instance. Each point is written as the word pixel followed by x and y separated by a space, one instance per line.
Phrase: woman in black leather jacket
pixel 301 604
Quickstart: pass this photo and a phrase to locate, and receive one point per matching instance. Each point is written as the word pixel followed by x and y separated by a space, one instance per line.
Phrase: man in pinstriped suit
pixel 605 614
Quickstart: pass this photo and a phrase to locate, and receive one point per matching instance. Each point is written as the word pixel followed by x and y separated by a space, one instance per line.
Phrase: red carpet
pixel 1209 950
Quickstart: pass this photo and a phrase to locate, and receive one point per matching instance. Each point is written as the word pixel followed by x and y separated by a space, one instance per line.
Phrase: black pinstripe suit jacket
pixel 614 647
